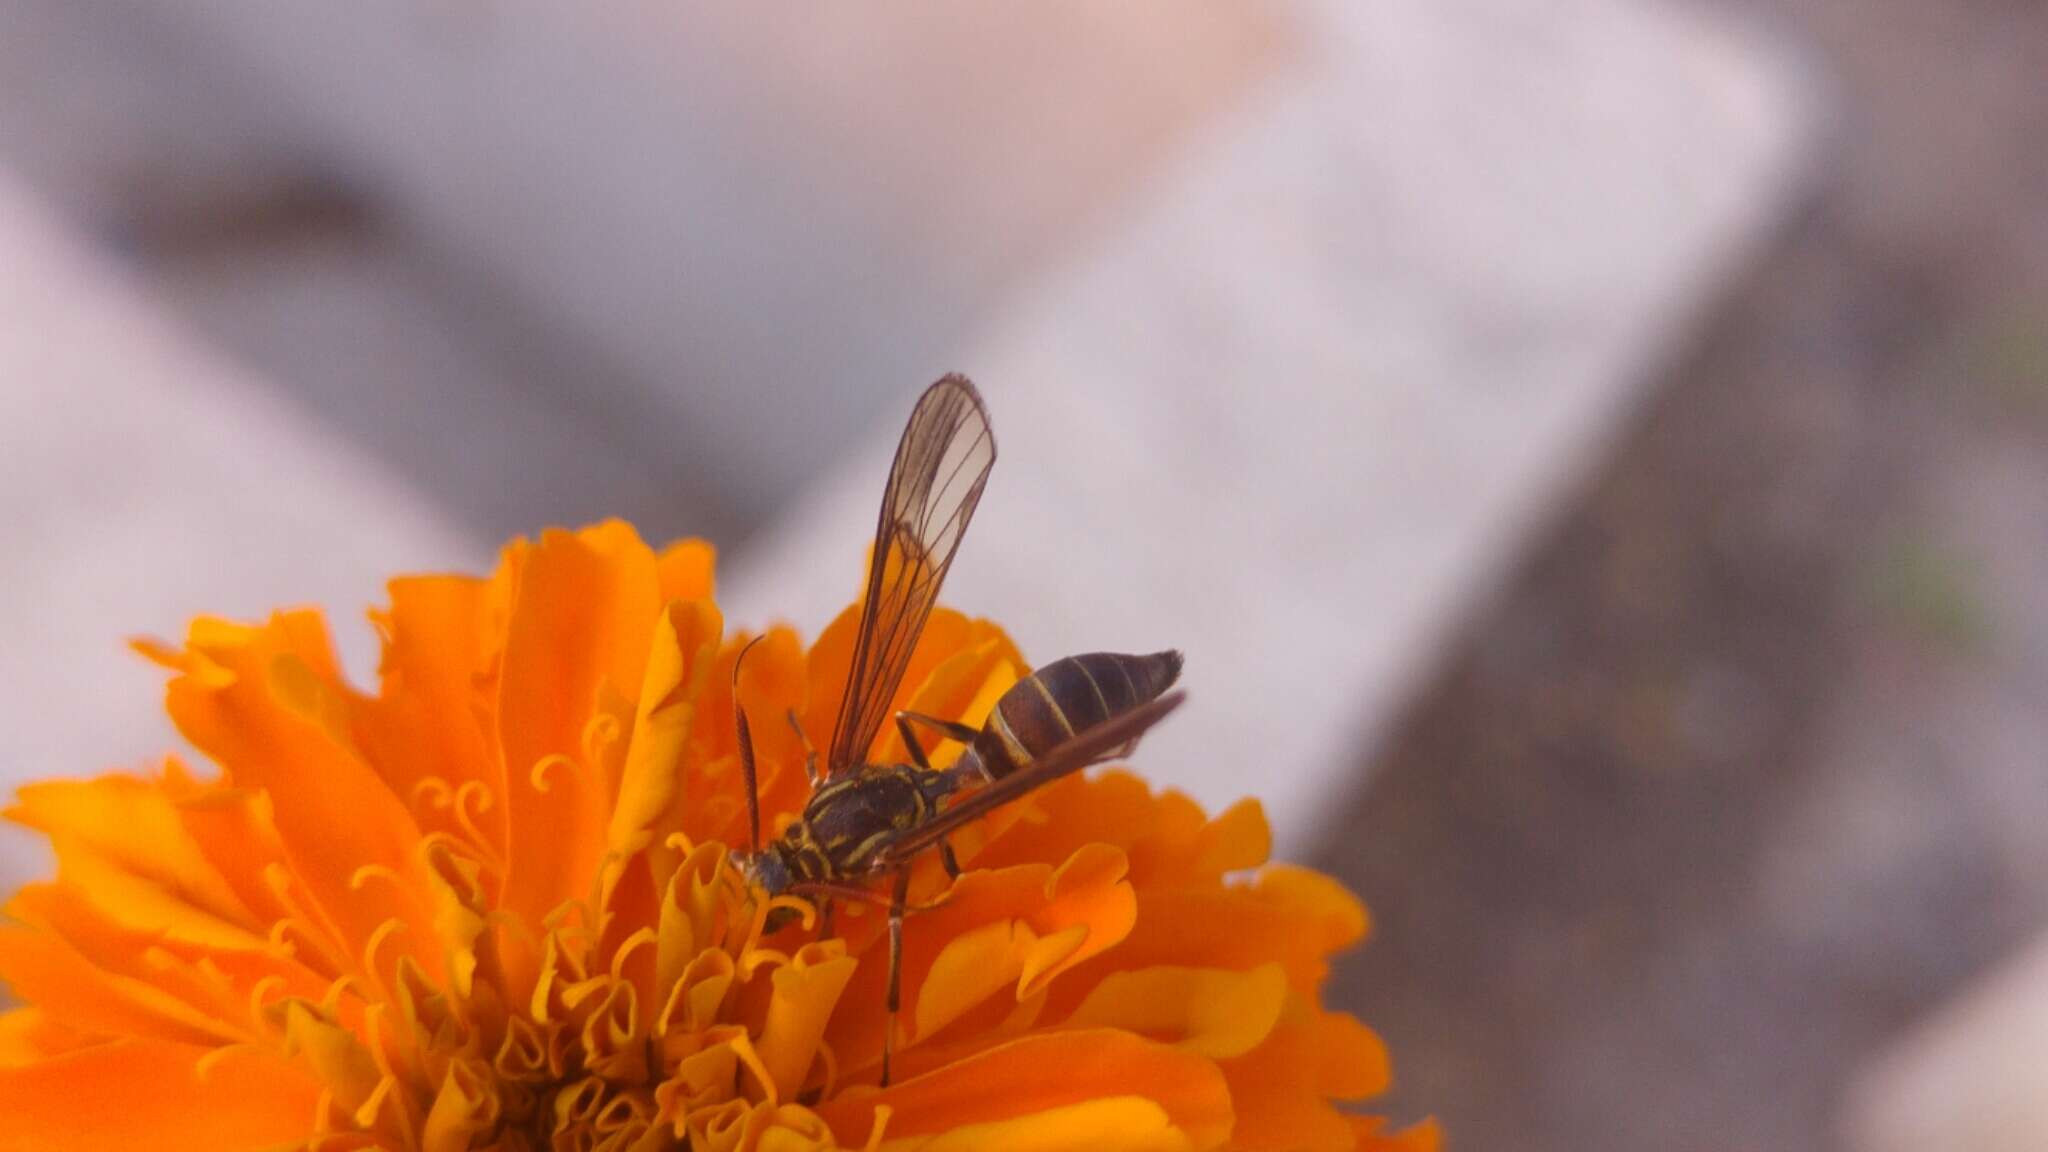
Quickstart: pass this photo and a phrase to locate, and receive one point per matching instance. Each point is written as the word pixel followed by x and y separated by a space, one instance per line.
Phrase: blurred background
pixel 1594 452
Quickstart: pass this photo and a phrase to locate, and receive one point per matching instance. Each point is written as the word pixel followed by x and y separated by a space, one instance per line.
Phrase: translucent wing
pixel 941 466
pixel 1089 746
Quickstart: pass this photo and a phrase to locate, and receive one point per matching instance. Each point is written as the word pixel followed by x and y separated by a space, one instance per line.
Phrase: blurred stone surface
pixel 1740 779
pixel 742 205
pixel 1970 1078
pixel 486 419
pixel 128 129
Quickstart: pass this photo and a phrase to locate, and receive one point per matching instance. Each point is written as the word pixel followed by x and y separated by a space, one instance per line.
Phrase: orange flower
pixel 490 905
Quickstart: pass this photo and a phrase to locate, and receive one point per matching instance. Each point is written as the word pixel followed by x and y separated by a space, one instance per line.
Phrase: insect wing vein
pixel 941 466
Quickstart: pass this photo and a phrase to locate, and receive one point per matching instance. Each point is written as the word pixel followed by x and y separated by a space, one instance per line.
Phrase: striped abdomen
pixel 1043 710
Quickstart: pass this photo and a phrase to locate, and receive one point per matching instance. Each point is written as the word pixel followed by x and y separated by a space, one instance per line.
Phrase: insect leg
pixel 964 733
pixel 902 890
pixel 810 753
pixel 825 907
pixel 746 742
pixel 916 749
pixel 947 858
pixel 855 894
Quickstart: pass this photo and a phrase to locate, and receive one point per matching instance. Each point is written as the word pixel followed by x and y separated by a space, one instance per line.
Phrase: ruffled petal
pixel 145 906
pixel 130 826
pixel 581 614
pixel 428 727
pixel 214 986
pixel 266 704
pixel 75 993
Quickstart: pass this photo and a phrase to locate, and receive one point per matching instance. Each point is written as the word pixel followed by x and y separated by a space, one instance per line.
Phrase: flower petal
pixel 963 686
pixel 428 720
pixel 28 1035
pixel 152 1094
pixel 1208 1011
pixel 236 831
pixel 1114 1124
pixel 679 666
pixel 260 702
pixel 946 633
pixel 1281 1088
pixel 213 988
pixel 144 906
pixel 805 991
pixel 1168 840
pixel 1014 929
pixel 1290 916
pixel 73 992
pixel 581 614
pixel 131 825
pixel 1039 1074
pixel 685 569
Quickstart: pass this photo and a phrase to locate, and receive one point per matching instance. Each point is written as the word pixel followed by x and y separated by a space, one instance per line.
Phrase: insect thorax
pixel 850 819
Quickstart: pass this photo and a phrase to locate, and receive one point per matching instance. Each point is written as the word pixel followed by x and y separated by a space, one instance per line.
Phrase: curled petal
pixel 805 992
pixel 465 1108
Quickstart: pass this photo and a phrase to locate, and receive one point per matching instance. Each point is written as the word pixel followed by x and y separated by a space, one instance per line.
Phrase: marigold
pixel 489 905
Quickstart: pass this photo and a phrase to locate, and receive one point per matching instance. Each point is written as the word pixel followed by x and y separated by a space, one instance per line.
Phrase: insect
pixel 865 821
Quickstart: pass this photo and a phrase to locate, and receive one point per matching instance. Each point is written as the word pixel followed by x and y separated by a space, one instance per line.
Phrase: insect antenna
pixel 746 742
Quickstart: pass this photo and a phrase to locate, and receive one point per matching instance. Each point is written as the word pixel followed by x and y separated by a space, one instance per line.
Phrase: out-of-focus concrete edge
pixel 1972 1078
pixel 736 203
